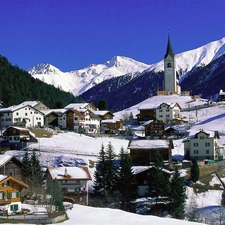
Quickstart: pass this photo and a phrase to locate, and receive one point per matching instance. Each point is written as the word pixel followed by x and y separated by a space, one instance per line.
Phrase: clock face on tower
pixel 169 71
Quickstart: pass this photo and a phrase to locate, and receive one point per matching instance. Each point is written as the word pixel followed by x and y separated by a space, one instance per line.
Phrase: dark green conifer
pixel 177 195
pixel 126 182
pixel 194 173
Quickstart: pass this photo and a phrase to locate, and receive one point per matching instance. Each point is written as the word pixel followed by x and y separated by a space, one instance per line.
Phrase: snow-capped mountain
pixel 79 81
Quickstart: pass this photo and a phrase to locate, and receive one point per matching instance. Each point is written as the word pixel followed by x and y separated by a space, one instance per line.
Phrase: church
pixel 171 85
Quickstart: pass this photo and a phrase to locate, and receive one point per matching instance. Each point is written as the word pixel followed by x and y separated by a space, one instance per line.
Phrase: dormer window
pixel 169 65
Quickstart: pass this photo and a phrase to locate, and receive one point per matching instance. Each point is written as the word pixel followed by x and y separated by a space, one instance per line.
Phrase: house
pixel 82 122
pixel 72 182
pixel 50 118
pixel 111 125
pixel 164 112
pixel 202 145
pixel 11 166
pixel 143 177
pixel 18 137
pixel 21 115
pixel 10 194
pixel 154 129
pixel 142 152
pixel 61 117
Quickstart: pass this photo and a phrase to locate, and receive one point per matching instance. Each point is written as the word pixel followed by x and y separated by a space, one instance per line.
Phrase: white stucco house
pixel 203 145
pixel 22 114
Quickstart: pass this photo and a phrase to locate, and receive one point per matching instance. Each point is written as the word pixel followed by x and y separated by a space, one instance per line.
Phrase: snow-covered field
pixel 71 149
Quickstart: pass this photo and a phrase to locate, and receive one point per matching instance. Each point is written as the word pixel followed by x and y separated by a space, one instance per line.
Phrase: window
pixel 2 195
pixel 160 110
pixel 201 137
pixel 80 199
pixel 207 151
pixel 195 151
pixel 17 113
pixel 195 144
pixel 25 114
pixel 167 115
pixel 207 144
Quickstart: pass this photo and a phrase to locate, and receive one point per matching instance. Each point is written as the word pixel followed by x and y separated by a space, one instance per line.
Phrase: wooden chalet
pixel 18 137
pixel 10 194
pixel 143 177
pixel 11 166
pixel 50 118
pixel 154 129
pixel 142 152
pixel 72 182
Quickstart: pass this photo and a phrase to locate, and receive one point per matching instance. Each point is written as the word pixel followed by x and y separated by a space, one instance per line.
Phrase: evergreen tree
pixel 57 196
pixel 105 175
pixel 177 195
pixel 110 169
pixel 126 183
pixel 27 168
pixel 100 175
pixel 36 174
pixel 194 173
pixel 159 184
pixel 102 104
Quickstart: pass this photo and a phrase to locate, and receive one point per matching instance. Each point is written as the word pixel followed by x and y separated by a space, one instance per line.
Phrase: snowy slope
pixel 79 81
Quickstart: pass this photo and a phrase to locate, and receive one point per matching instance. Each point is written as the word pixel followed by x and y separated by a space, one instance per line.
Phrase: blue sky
pixel 72 34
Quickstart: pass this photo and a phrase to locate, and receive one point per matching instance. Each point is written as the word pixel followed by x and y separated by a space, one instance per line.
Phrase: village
pixel 153 129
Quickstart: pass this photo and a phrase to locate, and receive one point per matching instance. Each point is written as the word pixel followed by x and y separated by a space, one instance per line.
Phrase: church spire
pixel 169 50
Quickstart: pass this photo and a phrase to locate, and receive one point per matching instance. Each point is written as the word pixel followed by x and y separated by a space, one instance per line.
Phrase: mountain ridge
pixel 79 81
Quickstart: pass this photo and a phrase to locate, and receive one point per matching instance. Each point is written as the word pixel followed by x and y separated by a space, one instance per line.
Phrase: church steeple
pixel 169 50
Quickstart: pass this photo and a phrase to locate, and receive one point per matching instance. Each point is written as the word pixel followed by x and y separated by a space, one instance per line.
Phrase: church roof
pixel 169 50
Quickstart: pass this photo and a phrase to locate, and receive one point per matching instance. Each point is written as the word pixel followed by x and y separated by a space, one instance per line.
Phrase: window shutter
pixel 2 184
pixel 11 207
pixel 17 194
pixel 16 207
pixel 10 194
pixel 4 194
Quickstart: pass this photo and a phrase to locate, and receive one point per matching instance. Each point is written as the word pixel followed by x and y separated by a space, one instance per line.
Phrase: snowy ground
pixel 71 149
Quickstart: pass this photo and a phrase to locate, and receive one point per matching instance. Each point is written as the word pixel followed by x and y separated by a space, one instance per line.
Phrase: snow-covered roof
pixel 4 159
pixel 148 144
pixel 147 122
pixel 31 103
pixel 101 112
pixel 108 121
pixel 77 106
pixel 16 107
pixel 2 177
pixel 73 173
pixel 157 105
pixel 139 169
pixel 211 133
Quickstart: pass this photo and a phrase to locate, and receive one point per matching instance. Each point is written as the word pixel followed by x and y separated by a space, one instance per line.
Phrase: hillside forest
pixel 17 86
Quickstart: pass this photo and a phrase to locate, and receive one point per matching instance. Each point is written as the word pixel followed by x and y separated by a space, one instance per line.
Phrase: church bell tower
pixel 170 81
